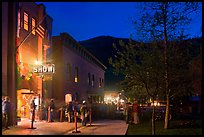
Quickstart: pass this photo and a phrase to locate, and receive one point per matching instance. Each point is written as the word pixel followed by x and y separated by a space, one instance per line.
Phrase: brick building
pixel 27 32
pixel 78 73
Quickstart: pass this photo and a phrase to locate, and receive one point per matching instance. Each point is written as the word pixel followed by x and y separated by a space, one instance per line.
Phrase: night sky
pixel 85 20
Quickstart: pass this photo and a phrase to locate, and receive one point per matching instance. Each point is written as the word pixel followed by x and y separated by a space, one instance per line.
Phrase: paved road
pixel 102 127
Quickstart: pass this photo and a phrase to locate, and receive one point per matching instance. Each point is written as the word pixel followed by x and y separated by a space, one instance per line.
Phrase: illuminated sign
pixel 47 68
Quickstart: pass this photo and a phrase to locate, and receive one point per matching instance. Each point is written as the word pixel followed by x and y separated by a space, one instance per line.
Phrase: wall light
pixel 37 62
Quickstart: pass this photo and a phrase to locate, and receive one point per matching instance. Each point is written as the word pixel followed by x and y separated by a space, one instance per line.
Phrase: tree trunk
pixel 166 124
pixel 166 68
pixel 153 119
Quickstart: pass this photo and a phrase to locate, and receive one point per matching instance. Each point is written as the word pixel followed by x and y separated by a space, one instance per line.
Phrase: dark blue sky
pixel 85 20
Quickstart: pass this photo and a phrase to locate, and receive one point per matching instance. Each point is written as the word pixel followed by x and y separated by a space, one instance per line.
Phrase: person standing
pixel 70 112
pixel 5 111
pixel 135 110
pixel 128 110
pixel 51 109
pixel 3 99
pixel 32 110
pixel 83 113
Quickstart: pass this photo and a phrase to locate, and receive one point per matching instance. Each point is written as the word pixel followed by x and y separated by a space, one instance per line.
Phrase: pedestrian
pixel 5 110
pixel 83 113
pixel 70 112
pixel 135 111
pixel 51 109
pixel 128 111
pixel 3 99
pixel 32 110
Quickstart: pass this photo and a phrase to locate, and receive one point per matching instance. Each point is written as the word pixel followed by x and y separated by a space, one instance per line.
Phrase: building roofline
pixel 85 50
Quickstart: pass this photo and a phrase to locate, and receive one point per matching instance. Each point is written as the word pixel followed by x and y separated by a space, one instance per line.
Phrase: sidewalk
pixel 102 127
pixel 41 128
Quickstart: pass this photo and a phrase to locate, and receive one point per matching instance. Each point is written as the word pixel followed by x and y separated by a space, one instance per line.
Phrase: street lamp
pixel 37 62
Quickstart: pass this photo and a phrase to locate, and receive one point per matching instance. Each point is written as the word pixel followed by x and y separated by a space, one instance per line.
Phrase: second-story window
pixel 19 23
pixel 76 75
pixel 33 25
pixel 25 24
pixel 89 78
pixel 92 82
pixel 100 82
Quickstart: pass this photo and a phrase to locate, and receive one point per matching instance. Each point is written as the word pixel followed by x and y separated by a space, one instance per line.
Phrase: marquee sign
pixel 46 68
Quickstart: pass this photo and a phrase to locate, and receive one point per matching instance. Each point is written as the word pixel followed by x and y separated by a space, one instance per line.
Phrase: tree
pixel 165 21
pixel 195 68
pixel 142 66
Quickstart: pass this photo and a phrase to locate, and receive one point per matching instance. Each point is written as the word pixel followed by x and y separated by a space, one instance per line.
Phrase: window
pixel 89 78
pixel 40 31
pixel 19 24
pixel 76 76
pixel 25 26
pixel 33 26
pixel 69 70
pixel 92 82
pixel 99 82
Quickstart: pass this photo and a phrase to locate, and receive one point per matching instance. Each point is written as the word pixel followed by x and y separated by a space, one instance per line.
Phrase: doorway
pixel 24 97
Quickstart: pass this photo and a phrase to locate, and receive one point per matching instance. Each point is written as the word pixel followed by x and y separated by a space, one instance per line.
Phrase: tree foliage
pixel 142 66
pixel 153 19
pixel 167 21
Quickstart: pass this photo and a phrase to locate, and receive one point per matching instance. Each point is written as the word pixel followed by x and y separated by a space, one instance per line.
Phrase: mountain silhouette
pixel 102 48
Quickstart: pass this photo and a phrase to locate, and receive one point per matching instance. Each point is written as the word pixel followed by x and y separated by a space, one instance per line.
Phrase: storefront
pixel 30 87
pixel 24 97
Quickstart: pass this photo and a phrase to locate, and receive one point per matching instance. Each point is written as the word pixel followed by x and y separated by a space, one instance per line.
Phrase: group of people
pixel 70 109
pixel 132 112
pixel 80 109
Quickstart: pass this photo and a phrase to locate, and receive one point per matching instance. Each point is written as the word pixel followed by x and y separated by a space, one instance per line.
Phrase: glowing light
pixel 37 62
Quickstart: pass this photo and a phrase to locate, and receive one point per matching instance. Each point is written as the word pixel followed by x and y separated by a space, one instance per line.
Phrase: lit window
pixel 33 26
pixel 76 75
pixel 25 21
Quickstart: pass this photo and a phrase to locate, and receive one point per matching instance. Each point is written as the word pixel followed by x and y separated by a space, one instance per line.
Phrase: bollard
pixel 48 114
pixel 90 117
pixel 61 114
pixel 75 122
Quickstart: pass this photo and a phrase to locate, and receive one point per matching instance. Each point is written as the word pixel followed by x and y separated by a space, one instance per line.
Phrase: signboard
pixel 46 68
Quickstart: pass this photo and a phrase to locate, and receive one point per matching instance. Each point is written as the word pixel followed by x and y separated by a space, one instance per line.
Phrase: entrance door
pixel 24 97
